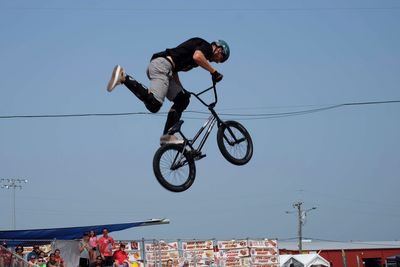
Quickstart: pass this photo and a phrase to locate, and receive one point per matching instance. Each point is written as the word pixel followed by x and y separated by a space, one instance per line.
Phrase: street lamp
pixel 301 214
pixel 13 184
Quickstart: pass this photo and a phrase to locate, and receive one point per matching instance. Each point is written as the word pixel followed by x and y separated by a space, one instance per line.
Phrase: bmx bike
pixel 174 164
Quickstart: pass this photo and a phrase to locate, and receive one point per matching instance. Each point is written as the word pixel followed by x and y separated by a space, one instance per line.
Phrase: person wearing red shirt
pixel 5 255
pixel 106 244
pixel 120 256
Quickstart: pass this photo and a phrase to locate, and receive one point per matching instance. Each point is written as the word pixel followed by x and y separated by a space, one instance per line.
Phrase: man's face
pixel 218 56
pixel 105 232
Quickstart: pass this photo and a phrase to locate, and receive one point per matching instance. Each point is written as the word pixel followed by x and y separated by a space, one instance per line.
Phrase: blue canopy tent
pixel 68 233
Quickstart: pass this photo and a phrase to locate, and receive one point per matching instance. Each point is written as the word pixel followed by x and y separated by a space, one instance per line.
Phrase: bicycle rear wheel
pixel 174 169
pixel 235 143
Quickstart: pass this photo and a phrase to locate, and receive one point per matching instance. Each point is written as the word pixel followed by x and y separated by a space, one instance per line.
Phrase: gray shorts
pixel 162 82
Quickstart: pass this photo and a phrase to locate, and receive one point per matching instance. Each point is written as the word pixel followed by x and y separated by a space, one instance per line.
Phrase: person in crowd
pixel 169 263
pixel 32 260
pixel 84 250
pixel 18 259
pixel 52 262
pixel 42 254
pixel 41 262
pixel 121 258
pixel 98 262
pixel 185 263
pixel 105 244
pixel 35 252
pixel 59 259
pixel 5 255
pixel 93 245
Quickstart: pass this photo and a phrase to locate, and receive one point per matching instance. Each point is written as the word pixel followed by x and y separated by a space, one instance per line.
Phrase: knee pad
pixel 181 102
pixel 152 104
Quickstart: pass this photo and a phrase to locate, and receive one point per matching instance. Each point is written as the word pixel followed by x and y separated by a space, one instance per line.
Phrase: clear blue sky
pixel 57 56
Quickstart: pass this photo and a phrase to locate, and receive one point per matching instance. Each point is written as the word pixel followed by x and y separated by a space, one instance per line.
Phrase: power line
pixel 73 115
pixel 248 116
pixel 308 111
pixel 201 9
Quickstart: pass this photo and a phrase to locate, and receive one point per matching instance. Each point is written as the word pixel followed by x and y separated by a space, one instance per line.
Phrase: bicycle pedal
pixel 200 156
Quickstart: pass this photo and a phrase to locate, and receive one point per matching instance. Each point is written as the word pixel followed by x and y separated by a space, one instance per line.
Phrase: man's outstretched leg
pixel 118 77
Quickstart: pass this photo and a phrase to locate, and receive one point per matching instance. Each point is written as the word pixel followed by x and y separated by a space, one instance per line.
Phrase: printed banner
pixel 266 243
pixel 161 252
pixel 265 260
pixel 202 253
pixel 197 245
pixel 234 262
pixel 163 246
pixel 162 256
pixel 232 244
pixel 234 253
pixel 133 245
pixel 263 252
pixel 134 256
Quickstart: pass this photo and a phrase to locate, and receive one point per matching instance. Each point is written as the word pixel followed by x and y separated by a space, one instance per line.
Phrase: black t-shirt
pixel 182 55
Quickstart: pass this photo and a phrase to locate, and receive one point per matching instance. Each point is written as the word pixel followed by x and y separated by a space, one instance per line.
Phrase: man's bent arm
pixel 201 60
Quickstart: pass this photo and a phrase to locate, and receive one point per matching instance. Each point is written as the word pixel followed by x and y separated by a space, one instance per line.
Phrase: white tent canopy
pixel 302 260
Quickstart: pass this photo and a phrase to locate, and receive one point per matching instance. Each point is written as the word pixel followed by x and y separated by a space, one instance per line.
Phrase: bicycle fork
pixel 233 140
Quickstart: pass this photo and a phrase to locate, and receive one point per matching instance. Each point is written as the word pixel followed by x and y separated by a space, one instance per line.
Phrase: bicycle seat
pixel 176 128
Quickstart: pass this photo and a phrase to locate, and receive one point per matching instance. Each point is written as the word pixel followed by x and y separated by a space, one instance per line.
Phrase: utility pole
pixel 301 215
pixel 13 184
pixel 300 224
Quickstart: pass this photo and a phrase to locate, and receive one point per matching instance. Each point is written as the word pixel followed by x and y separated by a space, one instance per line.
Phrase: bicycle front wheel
pixel 174 169
pixel 235 143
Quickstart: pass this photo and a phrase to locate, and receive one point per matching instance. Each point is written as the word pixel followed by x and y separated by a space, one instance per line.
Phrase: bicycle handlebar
pixel 212 104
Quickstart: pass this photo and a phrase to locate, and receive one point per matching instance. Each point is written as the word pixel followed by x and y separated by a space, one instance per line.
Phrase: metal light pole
pixel 13 184
pixel 301 215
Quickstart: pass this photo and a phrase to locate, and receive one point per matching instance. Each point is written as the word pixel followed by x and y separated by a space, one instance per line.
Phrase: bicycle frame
pixel 207 126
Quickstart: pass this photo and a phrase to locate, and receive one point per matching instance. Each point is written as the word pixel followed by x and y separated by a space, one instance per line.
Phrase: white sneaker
pixel 170 139
pixel 117 77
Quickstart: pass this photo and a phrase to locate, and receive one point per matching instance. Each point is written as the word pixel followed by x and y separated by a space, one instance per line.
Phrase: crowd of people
pixel 93 252
pixel 98 252
pixel 36 257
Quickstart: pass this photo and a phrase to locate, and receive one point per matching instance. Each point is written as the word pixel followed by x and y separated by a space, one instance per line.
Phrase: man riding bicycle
pixel 164 80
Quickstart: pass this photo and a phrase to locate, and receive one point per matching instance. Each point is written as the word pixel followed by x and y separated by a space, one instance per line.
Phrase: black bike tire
pixel 225 152
pixel 159 174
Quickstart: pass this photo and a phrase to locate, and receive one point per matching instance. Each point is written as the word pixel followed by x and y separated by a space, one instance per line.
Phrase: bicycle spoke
pixel 236 143
pixel 174 168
